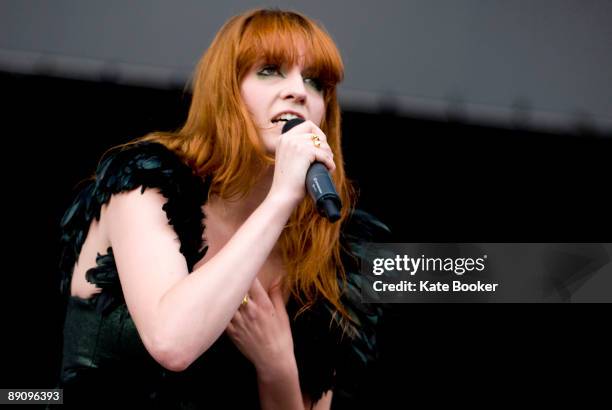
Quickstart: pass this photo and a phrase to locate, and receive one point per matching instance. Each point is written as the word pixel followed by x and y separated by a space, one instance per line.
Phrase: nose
pixel 294 88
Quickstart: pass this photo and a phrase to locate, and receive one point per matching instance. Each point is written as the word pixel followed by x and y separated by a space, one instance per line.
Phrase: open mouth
pixel 283 118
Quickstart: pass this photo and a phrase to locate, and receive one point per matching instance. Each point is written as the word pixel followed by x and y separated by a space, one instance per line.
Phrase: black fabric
pixel 103 357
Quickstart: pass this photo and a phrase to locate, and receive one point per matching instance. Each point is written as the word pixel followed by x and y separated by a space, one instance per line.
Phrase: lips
pixel 276 119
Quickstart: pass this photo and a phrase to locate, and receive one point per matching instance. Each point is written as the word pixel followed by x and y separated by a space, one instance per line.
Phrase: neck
pixel 235 211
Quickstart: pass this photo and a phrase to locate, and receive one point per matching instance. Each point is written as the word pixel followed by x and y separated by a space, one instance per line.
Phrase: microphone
pixel 319 184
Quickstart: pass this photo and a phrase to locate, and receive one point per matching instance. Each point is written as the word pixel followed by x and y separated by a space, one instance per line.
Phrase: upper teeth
pixel 285 117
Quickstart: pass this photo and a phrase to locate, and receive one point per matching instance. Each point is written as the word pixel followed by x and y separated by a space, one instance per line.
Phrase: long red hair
pixel 220 141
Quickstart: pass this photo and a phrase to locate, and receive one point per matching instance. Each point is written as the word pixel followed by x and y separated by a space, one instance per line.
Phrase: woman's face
pixel 269 90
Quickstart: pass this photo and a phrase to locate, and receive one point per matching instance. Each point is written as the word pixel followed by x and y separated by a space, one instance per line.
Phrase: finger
pixel 319 132
pixel 276 295
pixel 237 318
pixel 310 128
pixel 322 145
pixel 325 147
pixel 245 301
pixel 258 293
pixel 248 312
pixel 325 158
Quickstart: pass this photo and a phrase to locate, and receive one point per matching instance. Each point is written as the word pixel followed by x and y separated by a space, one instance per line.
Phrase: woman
pixel 197 270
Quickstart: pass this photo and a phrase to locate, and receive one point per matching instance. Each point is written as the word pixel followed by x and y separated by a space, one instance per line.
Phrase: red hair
pixel 219 139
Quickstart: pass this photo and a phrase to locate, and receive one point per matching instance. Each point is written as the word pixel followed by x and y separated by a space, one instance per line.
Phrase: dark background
pixel 428 180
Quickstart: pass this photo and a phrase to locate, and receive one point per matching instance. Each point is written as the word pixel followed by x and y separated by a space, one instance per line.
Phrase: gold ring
pixel 315 140
pixel 245 300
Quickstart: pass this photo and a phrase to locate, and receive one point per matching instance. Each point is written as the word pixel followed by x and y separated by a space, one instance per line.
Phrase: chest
pixel 217 234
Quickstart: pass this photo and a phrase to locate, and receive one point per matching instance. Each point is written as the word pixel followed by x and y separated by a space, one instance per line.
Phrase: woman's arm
pixel 281 390
pixel 178 316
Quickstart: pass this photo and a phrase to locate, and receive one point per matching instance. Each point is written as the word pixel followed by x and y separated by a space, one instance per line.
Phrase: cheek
pixel 249 93
pixel 246 93
pixel 320 112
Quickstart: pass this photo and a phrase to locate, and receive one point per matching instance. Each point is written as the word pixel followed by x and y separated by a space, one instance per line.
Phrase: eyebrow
pixel 310 70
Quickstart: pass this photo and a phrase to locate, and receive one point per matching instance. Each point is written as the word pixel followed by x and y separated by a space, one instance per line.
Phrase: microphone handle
pixel 323 192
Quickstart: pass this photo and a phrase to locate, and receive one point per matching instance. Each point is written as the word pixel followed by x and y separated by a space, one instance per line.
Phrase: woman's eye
pixel 269 70
pixel 315 82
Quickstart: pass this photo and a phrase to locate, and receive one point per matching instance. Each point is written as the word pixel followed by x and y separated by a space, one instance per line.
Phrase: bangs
pixel 272 37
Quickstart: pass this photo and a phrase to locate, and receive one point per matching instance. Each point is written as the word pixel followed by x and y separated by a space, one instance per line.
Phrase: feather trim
pixel 145 165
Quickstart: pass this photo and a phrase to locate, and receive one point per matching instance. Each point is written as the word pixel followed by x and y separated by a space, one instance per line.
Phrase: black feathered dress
pixel 104 360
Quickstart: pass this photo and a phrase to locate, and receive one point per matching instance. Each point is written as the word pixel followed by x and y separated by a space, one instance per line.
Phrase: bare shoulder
pixel 134 204
pixel 138 230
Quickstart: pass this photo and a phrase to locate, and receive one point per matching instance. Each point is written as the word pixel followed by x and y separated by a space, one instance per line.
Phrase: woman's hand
pixel 261 330
pixel 295 151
